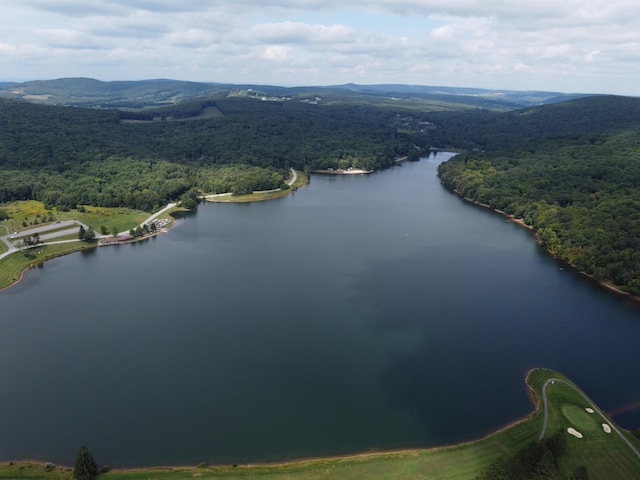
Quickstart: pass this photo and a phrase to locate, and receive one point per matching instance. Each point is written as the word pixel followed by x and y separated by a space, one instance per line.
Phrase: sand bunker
pixel 606 428
pixel 574 432
pixel 589 410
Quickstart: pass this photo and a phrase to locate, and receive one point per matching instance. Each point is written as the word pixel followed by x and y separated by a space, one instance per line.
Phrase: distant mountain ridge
pixel 88 92
pixel 119 94
pixel 516 97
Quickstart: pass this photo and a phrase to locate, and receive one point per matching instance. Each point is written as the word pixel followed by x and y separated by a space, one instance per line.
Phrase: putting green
pixel 580 419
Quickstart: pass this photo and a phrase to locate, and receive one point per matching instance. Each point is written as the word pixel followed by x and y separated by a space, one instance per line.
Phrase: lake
pixel 362 312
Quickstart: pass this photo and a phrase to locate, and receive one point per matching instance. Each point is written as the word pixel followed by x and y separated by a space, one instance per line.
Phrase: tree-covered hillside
pixel 572 172
pixel 66 156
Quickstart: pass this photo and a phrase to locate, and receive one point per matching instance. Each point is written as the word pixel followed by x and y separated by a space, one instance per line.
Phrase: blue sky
pixel 590 46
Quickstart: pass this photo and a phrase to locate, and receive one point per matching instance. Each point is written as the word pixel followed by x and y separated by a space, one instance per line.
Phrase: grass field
pixel 122 219
pixel 604 455
pixel 26 214
pixel 18 262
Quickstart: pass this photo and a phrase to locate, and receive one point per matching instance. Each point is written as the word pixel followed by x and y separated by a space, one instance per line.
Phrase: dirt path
pixel 294 177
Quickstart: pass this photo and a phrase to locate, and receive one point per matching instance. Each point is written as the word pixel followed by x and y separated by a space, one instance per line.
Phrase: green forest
pixel 570 170
pixel 68 156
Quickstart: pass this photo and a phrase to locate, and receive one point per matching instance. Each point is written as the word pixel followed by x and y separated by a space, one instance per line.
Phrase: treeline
pixel 265 134
pixel 580 193
pixel 139 184
pixel 585 120
pixel 537 461
pixel 65 156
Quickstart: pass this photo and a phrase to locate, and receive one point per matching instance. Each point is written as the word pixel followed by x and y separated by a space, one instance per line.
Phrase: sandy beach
pixel 340 171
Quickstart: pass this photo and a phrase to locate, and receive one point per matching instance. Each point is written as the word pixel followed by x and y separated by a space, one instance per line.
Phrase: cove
pixel 361 313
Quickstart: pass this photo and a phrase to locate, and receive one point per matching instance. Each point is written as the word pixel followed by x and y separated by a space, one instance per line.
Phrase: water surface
pixel 362 312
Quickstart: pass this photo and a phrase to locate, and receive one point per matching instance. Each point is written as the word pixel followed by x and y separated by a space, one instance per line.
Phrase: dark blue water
pixel 361 312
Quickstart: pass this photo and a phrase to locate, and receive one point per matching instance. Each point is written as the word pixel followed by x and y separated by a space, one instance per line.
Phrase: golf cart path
pixel 551 381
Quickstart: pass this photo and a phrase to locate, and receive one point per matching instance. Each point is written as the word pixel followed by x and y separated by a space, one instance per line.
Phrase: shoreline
pixel 519 221
pixel 22 273
pixel 298 180
pixel 342 171
pixel 531 392
pixel 169 209
pixel 43 261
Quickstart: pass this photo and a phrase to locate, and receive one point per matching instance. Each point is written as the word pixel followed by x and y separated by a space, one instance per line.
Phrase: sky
pixel 585 46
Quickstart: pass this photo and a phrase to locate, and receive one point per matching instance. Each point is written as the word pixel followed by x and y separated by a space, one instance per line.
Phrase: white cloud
pixel 297 32
pixel 446 32
pixel 491 43
pixel 191 38
pixel 277 53
pixel 68 39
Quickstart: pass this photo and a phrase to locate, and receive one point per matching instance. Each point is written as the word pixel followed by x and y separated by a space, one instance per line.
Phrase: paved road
pixel 6 241
pixel 551 381
pixel 68 225
pixel 63 228
pixel 151 218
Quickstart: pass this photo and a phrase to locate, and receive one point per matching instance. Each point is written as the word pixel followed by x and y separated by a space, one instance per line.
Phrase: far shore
pixel 520 222
pixel 343 171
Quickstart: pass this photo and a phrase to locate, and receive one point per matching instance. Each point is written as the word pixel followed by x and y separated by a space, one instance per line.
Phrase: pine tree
pixel 85 468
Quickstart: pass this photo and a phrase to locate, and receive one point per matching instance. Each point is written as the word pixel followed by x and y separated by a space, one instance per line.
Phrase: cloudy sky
pixel 558 45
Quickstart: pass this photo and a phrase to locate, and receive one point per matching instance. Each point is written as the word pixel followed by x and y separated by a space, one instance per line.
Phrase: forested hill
pixel 579 119
pixel 572 172
pixel 67 156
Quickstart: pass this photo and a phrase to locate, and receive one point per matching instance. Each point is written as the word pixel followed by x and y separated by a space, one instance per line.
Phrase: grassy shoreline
pixel 301 181
pixel 601 453
pixel 15 265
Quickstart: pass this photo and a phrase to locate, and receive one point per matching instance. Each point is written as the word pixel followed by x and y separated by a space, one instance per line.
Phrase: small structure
pixel 114 240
